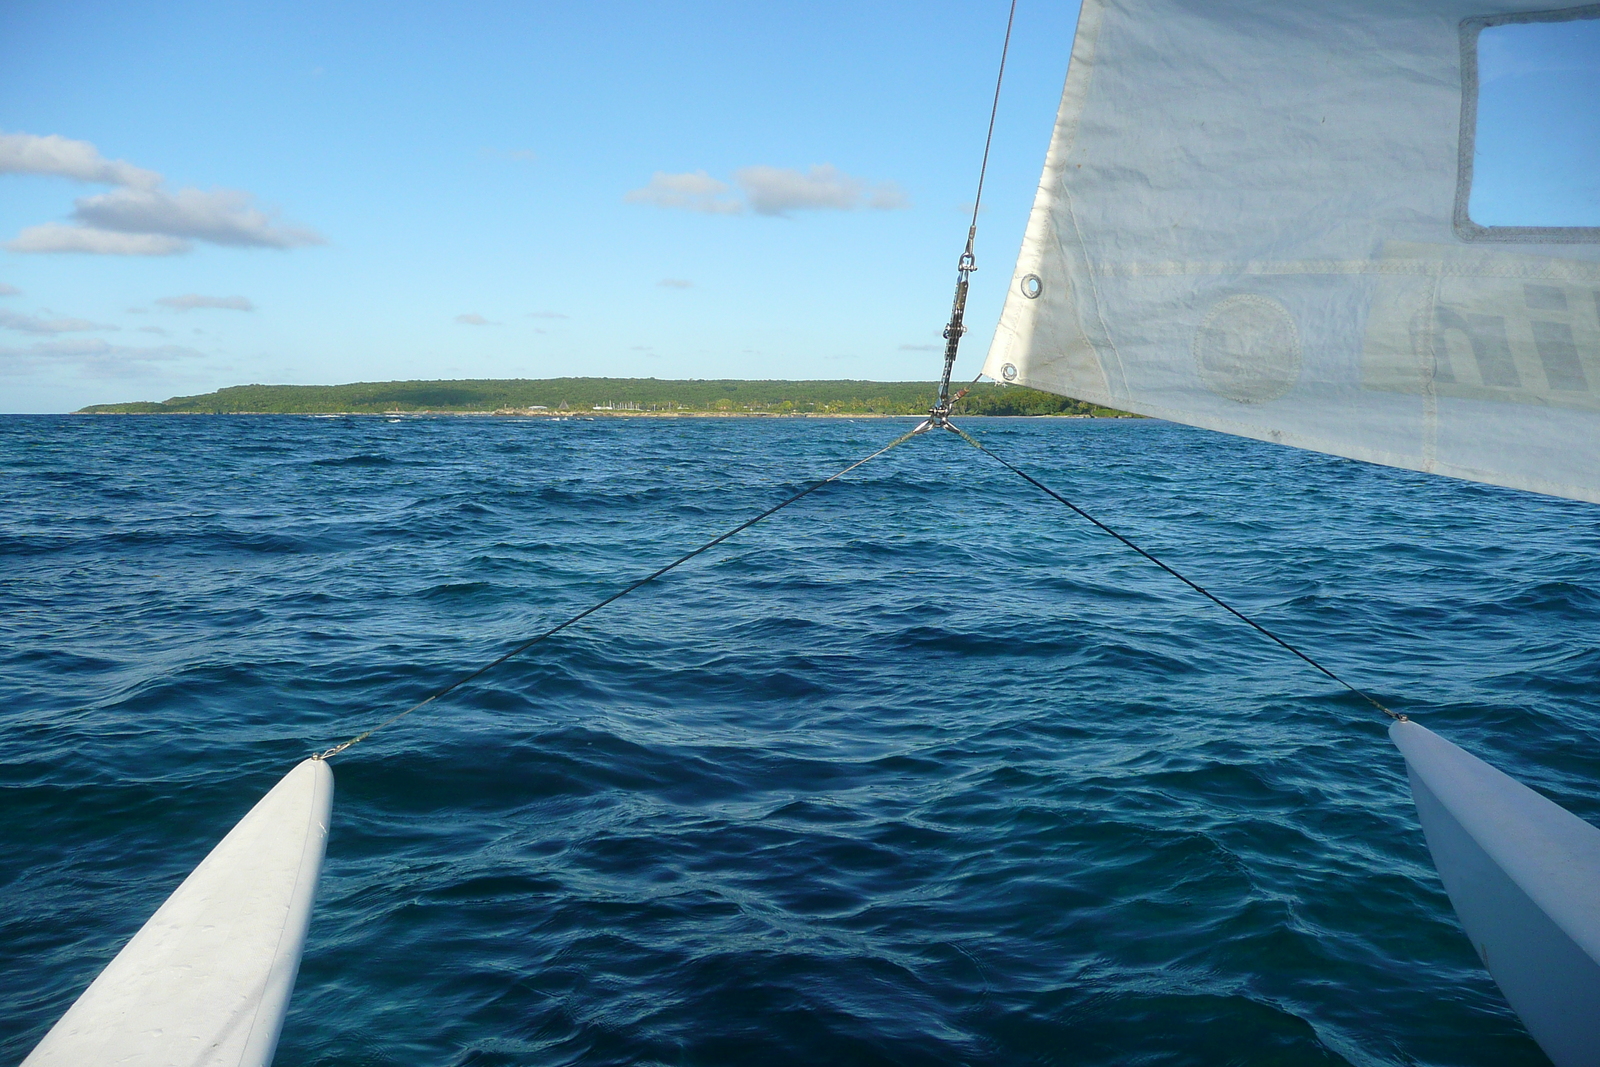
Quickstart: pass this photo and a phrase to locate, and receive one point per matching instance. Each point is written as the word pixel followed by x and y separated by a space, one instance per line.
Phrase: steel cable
pixel 1191 583
pixel 646 580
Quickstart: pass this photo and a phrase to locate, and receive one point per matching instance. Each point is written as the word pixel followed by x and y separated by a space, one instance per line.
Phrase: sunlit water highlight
pixel 924 770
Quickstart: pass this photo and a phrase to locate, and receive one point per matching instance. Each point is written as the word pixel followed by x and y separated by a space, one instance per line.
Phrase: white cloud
pixel 888 196
pixel 779 190
pixel 54 237
pixel 190 301
pixel 8 290
pixel 675 283
pixel 774 190
pixel 153 329
pixel 91 355
pixel 26 153
pixel 922 348
pixel 220 216
pixel 694 191
pixel 138 218
pixel 472 318
pixel 90 346
pixel 33 324
pixel 769 191
pixel 546 315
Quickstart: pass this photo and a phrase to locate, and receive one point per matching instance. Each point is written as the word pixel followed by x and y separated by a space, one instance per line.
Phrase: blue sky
pixel 1537 159
pixel 476 161
pixel 340 192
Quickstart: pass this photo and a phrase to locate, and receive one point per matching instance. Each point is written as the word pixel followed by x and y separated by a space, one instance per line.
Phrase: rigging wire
pixel 968 262
pixel 646 580
pixel 994 109
pixel 941 409
pixel 1192 584
pixel 939 416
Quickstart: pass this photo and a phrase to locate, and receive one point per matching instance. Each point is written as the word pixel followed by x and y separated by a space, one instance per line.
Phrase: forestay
pixel 207 980
pixel 1254 218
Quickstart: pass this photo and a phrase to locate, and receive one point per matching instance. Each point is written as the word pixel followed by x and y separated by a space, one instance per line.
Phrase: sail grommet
pixel 1032 286
pixel 1009 372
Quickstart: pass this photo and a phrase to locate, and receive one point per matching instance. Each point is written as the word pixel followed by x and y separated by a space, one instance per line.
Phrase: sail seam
pixel 1569 270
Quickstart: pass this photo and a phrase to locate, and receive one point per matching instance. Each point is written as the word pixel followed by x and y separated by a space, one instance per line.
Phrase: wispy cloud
pixel 90 355
pixel 8 290
pixel 220 216
pixel 26 153
pixel 778 191
pixel 54 237
pixel 675 283
pixel 472 318
pixel 153 329
pixel 139 218
pixel 546 315
pixel 190 301
pixel 694 191
pixel 36 325
pixel 922 348
pixel 764 190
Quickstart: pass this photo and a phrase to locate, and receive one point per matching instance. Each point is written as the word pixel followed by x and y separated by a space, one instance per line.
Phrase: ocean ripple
pixel 923 770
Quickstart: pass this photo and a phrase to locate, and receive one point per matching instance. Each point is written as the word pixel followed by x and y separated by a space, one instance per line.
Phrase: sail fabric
pixel 1254 218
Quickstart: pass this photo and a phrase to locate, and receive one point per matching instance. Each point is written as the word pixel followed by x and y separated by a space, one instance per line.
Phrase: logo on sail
pixel 1248 349
pixel 1524 331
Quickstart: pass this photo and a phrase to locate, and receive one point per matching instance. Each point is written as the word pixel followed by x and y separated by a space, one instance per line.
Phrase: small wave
pixel 920 771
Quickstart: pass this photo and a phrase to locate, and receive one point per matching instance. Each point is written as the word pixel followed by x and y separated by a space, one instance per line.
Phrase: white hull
pixel 1524 876
pixel 206 980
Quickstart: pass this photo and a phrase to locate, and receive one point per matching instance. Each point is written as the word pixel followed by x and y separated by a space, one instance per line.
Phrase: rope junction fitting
pixel 938 419
pixel 1196 586
pixel 932 422
pixel 939 414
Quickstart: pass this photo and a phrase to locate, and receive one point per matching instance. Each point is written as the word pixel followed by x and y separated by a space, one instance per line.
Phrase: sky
pixel 196 195
pixel 1537 158
pixel 342 192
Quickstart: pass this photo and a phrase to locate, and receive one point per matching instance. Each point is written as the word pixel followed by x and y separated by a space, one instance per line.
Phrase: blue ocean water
pixel 923 770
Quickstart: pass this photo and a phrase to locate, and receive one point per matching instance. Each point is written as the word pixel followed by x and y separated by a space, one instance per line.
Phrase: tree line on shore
pixel 609 396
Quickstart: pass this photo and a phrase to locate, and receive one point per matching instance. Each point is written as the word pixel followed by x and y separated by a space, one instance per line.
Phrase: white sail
pixel 206 981
pixel 1254 218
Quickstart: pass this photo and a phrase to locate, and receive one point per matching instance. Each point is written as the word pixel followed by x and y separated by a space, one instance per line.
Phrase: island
pixel 624 397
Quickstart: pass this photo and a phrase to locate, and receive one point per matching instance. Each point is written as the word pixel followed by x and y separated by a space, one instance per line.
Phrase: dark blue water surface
pixel 923 770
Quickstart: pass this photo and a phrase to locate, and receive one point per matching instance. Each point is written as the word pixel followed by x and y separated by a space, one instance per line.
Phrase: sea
pixel 923 769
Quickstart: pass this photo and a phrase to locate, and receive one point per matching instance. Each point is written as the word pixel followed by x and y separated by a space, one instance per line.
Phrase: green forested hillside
pixel 608 395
